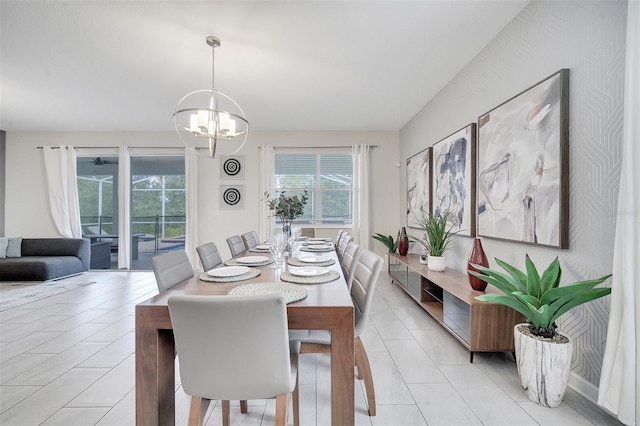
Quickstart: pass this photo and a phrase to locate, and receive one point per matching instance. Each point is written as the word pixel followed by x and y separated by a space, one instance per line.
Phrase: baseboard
pixel 583 387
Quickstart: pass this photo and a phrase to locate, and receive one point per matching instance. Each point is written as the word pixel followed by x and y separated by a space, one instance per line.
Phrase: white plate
pixel 228 271
pixel 319 239
pixel 308 271
pixel 262 247
pixel 314 243
pixel 314 259
pixel 250 260
pixel 320 247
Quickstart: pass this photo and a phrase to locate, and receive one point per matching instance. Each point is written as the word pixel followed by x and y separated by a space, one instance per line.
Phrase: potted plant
pixel 543 355
pixel 388 241
pixel 287 208
pixel 439 238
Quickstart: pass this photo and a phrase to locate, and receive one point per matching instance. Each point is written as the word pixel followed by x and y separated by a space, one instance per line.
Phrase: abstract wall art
pixel 232 197
pixel 418 186
pixel 523 159
pixel 453 179
pixel 232 167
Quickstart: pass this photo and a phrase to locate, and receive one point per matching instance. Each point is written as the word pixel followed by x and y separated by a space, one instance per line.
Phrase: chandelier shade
pixel 204 117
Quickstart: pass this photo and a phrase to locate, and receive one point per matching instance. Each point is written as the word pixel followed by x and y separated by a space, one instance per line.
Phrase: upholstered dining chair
pixel 349 261
pixel 235 347
pixel 308 232
pixel 236 245
pixel 249 239
pixel 345 239
pixel 209 256
pixel 365 277
pixel 171 268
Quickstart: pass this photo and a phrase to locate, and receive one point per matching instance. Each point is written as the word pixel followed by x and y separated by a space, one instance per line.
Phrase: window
pixel 327 177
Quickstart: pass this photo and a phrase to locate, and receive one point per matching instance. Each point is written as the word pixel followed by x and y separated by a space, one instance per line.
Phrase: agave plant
pixel 388 241
pixel 539 298
pixel 438 236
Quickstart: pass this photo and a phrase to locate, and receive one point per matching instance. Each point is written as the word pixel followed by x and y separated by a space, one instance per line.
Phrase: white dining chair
pixel 249 239
pixel 235 347
pixel 209 256
pixel 171 268
pixel 366 274
pixel 349 261
pixel 236 245
pixel 345 239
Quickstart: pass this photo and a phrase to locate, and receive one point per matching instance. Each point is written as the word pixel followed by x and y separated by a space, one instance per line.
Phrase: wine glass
pixel 277 244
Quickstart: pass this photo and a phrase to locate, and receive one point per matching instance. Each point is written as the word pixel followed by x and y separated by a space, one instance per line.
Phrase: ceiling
pixel 292 65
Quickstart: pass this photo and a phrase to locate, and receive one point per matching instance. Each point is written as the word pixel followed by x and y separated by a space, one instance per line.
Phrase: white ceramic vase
pixel 543 367
pixel 437 263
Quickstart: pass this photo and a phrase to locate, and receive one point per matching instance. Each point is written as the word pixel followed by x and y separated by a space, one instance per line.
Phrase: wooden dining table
pixel 327 306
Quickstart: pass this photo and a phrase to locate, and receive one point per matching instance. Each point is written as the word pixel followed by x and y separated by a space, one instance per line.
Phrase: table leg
pixel 342 371
pixel 155 376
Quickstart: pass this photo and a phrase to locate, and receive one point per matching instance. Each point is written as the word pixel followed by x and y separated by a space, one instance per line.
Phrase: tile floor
pixel 69 360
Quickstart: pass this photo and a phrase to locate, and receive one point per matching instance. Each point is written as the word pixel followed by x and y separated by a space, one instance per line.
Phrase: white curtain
pixel 61 174
pixel 361 194
pixel 619 390
pixel 191 174
pixel 266 222
pixel 124 208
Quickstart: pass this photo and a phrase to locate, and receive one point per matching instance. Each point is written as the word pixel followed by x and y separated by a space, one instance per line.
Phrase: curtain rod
pixel 116 147
pixel 316 147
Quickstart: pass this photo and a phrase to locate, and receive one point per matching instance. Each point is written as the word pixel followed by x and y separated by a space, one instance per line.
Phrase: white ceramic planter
pixel 437 263
pixel 543 366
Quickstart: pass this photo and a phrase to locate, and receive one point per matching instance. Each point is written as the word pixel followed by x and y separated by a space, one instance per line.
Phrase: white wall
pixel 589 39
pixel 27 211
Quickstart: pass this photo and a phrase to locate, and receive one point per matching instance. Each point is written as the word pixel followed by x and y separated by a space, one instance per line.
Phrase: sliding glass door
pixel 158 207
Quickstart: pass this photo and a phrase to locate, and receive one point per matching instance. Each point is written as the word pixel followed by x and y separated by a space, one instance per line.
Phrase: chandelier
pixel 204 117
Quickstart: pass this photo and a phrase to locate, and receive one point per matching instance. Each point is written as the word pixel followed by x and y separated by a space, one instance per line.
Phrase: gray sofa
pixel 45 259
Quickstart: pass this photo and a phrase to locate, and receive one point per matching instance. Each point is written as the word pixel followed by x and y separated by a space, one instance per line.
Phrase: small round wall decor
pixel 232 196
pixel 232 167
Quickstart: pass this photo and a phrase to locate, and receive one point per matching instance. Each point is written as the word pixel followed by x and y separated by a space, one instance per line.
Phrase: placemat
pixel 255 250
pixel 294 261
pixel 233 262
pixel 316 250
pixel 318 279
pixel 247 276
pixel 292 292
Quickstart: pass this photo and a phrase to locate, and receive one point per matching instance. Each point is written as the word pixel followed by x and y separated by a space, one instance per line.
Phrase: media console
pixel 450 300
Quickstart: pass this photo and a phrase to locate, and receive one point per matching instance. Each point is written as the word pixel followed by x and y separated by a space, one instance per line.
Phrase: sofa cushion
pixel 4 242
pixel 14 248
pixel 39 268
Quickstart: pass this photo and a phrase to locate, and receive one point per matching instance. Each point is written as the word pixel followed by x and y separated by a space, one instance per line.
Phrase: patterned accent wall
pixel 589 39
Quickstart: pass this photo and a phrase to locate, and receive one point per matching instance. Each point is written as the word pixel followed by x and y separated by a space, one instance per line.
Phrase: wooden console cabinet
pixel 450 300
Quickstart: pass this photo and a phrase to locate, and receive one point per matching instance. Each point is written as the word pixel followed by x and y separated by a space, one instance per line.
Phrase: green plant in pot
pixel 543 355
pixel 388 241
pixel 439 238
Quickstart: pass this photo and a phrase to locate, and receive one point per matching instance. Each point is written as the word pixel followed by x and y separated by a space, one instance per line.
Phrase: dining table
pixel 327 306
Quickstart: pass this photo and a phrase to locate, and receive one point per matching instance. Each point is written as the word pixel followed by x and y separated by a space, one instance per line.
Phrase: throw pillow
pixel 14 248
pixel 4 242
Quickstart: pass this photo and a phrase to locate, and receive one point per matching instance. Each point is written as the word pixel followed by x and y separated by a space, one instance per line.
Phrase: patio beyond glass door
pixel 158 207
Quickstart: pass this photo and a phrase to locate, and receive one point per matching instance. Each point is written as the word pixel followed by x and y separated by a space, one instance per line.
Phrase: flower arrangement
pixel 287 207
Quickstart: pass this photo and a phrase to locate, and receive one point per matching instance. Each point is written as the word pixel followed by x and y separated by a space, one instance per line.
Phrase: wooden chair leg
pixel 197 410
pixel 226 412
pixel 243 406
pixel 282 403
pixel 362 361
pixel 296 405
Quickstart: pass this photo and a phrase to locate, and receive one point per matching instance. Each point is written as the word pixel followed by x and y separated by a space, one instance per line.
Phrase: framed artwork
pixel 523 166
pixel 232 197
pixel 232 167
pixel 453 179
pixel 418 186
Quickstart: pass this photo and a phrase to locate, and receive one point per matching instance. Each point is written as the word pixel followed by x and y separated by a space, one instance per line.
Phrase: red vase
pixel 477 257
pixel 403 244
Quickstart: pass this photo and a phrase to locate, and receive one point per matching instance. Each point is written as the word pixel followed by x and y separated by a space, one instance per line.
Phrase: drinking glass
pixel 277 244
